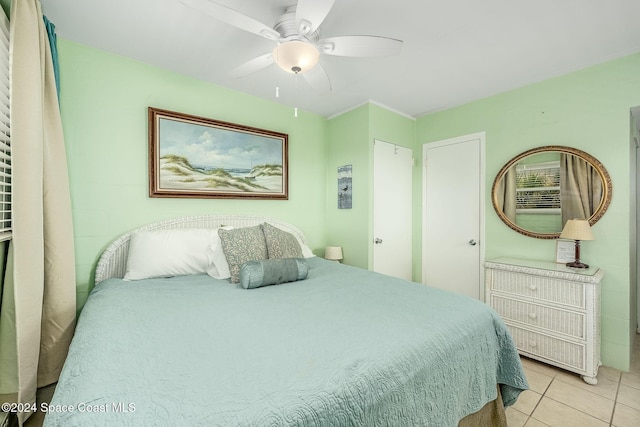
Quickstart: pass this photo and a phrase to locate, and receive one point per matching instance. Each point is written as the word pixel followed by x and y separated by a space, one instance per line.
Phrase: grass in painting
pixel 177 172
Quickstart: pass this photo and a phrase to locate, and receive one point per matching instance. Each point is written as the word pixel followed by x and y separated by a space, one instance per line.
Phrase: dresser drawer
pixel 540 287
pixel 558 351
pixel 562 321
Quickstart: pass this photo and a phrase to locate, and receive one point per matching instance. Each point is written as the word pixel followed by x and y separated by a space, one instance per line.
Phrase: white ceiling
pixel 455 51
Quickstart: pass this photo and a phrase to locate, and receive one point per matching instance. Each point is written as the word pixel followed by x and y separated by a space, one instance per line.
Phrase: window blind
pixel 538 186
pixel 5 128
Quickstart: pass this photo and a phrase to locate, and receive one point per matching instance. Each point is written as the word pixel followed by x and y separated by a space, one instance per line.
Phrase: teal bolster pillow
pixel 254 274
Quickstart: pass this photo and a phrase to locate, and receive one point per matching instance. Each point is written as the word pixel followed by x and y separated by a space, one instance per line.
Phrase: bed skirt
pixel 491 414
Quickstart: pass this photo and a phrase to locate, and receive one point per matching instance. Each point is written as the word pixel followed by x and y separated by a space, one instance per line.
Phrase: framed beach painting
pixel 197 157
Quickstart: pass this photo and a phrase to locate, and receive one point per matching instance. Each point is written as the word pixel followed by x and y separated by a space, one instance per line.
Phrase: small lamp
pixel 333 253
pixel 577 229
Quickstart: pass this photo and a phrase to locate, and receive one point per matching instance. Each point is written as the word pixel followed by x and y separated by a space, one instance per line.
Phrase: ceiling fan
pixel 299 45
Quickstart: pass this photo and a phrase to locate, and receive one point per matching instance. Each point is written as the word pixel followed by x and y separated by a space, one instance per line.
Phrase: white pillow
pixel 306 251
pixel 166 253
pixel 218 266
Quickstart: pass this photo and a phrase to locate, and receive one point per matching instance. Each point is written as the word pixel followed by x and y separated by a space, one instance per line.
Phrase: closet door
pixel 392 192
pixel 453 221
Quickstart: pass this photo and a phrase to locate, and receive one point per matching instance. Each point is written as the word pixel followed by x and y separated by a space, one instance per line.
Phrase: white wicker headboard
pixel 113 261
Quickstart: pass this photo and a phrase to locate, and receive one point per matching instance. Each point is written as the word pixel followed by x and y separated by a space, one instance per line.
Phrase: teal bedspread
pixel 345 347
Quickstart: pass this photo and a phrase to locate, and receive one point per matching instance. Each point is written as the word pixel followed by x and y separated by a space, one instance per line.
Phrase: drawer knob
pixel 532 315
pixel 533 287
pixel 533 344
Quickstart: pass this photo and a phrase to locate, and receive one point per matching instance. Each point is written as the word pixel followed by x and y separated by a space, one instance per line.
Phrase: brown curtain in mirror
pixel 580 188
pixel 506 194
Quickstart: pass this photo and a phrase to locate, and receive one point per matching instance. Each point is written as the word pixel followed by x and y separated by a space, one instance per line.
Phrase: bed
pixel 342 347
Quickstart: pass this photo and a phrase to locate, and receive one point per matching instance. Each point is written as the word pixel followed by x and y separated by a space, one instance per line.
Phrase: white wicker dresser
pixel 552 311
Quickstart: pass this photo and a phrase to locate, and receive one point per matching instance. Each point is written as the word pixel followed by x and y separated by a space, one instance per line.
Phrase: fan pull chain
pixel 296 70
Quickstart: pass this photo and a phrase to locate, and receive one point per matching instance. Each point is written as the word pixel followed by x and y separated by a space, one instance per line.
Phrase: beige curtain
pixel 506 194
pixel 580 188
pixel 39 289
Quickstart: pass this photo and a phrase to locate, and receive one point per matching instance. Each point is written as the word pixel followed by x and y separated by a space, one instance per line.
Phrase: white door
pixel 637 168
pixel 392 192
pixel 453 194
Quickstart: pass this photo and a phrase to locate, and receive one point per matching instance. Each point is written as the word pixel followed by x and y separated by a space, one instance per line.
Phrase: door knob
pixel 473 242
pixel 377 241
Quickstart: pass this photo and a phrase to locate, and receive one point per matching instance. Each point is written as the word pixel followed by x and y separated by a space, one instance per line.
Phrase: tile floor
pixel 561 398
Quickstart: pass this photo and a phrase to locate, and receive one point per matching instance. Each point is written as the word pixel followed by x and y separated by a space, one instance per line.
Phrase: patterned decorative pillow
pixel 280 244
pixel 241 245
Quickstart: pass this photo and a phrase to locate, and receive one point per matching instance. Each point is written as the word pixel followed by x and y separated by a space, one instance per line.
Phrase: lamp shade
pixel 333 253
pixel 296 56
pixel 577 229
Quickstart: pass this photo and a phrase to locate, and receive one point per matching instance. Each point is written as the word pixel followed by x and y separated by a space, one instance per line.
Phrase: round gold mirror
pixel 537 191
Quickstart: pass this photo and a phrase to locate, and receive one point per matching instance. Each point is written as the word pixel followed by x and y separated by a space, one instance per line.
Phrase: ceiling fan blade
pixel 232 17
pixel 311 13
pixel 360 46
pixel 252 66
pixel 318 79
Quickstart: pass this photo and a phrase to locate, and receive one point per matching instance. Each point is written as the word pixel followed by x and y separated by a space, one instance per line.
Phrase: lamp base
pixel 577 264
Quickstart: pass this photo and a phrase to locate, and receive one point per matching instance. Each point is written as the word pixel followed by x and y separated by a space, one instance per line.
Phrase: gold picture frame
pixel 197 157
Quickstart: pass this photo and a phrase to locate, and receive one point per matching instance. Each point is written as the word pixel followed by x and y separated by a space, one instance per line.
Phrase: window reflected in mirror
pixel 536 192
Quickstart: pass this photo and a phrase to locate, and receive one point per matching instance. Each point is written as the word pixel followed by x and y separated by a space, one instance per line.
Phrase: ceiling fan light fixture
pixel 296 56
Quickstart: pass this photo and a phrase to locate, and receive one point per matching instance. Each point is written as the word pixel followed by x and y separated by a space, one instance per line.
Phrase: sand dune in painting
pixel 176 173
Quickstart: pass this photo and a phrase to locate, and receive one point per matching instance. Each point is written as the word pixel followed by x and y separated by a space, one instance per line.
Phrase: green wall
pixel 351 137
pixel 634 178
pixel 104 100
pixel 104 104
pixel 589 110
pixel 348 144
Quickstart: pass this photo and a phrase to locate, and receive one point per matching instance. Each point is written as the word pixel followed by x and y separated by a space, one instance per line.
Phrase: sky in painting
pixel 217 148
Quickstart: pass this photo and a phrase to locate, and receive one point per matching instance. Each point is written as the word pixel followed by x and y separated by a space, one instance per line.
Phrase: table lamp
pixel 577 229
pixel 333 253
